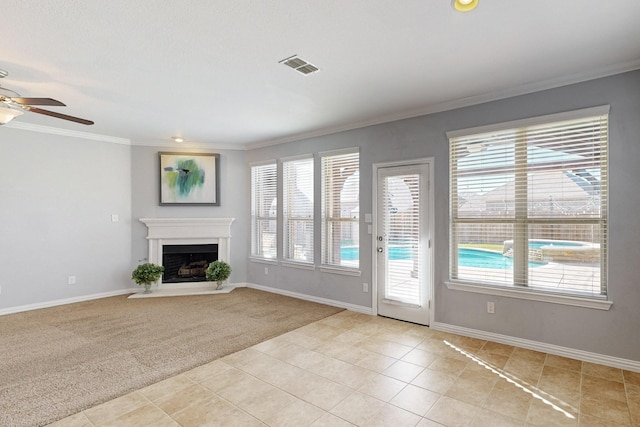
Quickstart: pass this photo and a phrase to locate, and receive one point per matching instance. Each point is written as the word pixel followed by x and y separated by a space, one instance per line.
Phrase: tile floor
pixel 354 369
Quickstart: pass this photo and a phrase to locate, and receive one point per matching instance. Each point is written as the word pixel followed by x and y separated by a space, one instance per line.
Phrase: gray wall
pixel 234 201
pixel 612 332
pixel 56 200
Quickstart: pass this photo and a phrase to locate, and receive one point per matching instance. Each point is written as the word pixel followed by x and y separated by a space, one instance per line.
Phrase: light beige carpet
pixel 58 361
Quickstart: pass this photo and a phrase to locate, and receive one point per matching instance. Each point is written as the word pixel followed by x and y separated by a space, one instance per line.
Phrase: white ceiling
pixel 208 70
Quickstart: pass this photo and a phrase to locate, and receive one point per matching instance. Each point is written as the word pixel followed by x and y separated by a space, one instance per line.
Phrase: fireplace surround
pixel 187 231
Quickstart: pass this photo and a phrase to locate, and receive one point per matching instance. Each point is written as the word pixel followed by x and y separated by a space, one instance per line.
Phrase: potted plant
pixel 147 274
pixel 218 271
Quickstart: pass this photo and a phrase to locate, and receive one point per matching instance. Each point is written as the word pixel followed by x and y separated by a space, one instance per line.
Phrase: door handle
pixel 380 250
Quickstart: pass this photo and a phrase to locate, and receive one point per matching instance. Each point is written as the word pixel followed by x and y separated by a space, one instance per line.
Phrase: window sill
pixel 340 270
pixel 300 265
pixel 586 302
pixel 272 261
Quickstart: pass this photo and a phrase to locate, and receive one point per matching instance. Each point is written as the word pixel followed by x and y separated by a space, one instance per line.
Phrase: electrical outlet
pixel 71 280
pixel 266 270
pixel 491 308
pixel 365 287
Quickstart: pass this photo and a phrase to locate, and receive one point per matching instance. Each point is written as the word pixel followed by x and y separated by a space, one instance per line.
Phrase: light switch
pixel 115 218
pixel 367 217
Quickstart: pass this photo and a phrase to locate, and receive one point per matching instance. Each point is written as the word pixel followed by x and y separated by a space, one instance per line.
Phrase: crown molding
pixel 523 89
pixel 66 132
pixel 190 144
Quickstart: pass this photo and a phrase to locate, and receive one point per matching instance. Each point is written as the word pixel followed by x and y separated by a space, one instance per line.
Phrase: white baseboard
pixel 334 303
pixel 64 301
pixel 616 362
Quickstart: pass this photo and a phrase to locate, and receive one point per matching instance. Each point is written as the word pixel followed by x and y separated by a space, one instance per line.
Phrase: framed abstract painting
pixel 189 179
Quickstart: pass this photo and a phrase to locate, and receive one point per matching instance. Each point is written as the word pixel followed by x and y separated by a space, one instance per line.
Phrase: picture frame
pixel 189 179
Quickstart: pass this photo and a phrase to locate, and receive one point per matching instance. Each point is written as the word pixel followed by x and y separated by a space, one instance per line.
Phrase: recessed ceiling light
pixel 177 138
pixel 464 5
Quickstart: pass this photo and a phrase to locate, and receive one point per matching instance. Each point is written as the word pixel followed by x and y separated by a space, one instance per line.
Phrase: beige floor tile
pixel 560 386
pixel 266 405
pixel 425 422
pixel 601 371
pixel 403 338
pixel 420 357
pixel 245 389
pixel 595 387
pixel 169 386
pixel 392 416
pixel 606 409
pixel 376 362
pixel 403 371
pixel 543 414
pixel 415 399
pixel 486 418
pixel 524 371
pixel 471 390
pixel 434 381
pixel 382 387
pixel 384 347
pixel 563 362
pixel 497 348
pixel 352 337
pixel 494 360
pixel 179 399
pixel 357 408
pixel 452 412
pixel 633 400
pixel 326 394
pixel 148 415
pixel 510 400
pixel 224 379
pixel 353 355
pixel 447 365
pixel 631 377
pixel 215 413
pixel 111 410
pixel 590 421
pixel 330 420
pixel 529 355
pixel 298 413
pixel 349 375
pixel 77 420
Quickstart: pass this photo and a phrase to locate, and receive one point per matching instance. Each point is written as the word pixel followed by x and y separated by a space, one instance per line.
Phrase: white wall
pixel 57 195
pixel 612 332
pixel 234 202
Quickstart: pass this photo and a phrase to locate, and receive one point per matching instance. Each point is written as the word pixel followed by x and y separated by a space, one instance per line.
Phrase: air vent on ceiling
pixel 299 64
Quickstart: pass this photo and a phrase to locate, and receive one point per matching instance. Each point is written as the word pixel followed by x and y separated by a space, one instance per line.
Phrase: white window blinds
pixel 529 206
pixel 264 185
pixel 340 209
pixel 298 210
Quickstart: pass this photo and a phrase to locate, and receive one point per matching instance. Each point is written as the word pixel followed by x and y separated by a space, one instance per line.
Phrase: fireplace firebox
pixel 187 263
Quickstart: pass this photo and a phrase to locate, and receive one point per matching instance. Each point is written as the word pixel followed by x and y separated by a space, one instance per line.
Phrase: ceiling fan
pixel 13 105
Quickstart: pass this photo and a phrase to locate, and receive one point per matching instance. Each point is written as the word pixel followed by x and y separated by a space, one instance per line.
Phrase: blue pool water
pixel 466 257
pixel 487 259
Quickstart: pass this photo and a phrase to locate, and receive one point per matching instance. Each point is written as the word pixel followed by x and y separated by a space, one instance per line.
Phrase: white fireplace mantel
pixel 187 231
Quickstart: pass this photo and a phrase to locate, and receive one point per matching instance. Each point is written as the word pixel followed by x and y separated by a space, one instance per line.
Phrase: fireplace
pixel 186 244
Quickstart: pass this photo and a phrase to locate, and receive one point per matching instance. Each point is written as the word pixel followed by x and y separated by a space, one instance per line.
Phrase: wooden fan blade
pixel 60 116
pixel 38 101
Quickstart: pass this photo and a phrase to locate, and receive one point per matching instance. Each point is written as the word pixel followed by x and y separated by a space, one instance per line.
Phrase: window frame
pixel 512 290
pixel 286 258
pixel 327 198
pixel 258 255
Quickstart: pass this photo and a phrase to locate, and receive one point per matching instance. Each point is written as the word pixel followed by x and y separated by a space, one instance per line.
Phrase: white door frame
pixel 431 224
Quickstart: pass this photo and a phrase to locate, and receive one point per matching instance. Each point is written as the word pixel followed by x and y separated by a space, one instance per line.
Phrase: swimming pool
pixel 481 258
pixel 467 257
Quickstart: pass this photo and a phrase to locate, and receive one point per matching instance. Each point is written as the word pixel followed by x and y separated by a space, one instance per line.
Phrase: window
pixel 340 209
pixel 264 182
pixel 528 204
pixel 298 210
